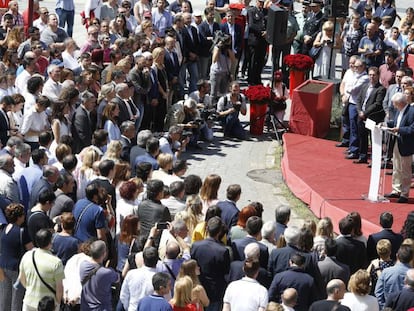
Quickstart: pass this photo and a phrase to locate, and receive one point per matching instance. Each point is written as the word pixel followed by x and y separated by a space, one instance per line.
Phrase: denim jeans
pixel 66 17
pixel 10 298
pixel 192 68
pixel 353 125
pixel 232 126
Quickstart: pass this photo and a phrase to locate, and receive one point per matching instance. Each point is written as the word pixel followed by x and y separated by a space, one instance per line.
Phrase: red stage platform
pixel 318 174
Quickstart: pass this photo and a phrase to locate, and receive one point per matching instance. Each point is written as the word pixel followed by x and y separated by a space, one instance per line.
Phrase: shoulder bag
pixel 40 277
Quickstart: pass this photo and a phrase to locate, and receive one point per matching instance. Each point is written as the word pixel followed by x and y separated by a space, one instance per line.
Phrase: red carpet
pixel 318 174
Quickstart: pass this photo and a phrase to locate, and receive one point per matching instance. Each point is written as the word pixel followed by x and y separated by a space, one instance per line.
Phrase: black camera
pixel 186 133
pixel 222 40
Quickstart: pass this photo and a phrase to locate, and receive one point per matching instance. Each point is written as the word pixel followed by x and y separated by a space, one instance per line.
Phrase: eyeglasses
pixel 45 13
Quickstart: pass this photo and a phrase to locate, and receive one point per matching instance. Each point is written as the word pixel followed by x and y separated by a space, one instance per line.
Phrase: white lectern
pixel 376 142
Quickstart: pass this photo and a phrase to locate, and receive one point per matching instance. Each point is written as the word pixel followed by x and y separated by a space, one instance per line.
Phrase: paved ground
pixel 248 163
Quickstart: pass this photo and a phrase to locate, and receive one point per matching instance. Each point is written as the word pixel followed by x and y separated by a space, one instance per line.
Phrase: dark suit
pixel 372 109
pixel 331 268
pixel 123 110
pixel 237 38
pixel 204 31
pixel 214 262
pixel 312 27
pixel 229 212
pixel 126 148
pixel 110 189
pixel 82 129
pixel 352 253
pixel 395 239
pixel 257 43
pixel 401 301
pixel 191 44
pixel 239 245
pixel 297 278
pixel 4 128
pixel 172 68
pixel 390 111
pixel 279 262
pixel 236 273
pixel 401 176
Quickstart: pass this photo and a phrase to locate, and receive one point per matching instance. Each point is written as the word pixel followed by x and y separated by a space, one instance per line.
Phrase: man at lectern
pixel 403 128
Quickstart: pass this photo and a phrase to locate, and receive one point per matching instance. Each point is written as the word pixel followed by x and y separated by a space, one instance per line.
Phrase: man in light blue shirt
pixel 65 9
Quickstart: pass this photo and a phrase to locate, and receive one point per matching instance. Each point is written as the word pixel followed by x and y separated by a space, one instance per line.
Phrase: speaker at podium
pixel 276 30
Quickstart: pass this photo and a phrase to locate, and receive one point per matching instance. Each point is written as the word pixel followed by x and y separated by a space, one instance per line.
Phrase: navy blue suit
pixel 405 139
pixel 401 301
pixel 239 245
pixel 352 253
pixel 229 213
pixel 172 69
pixel 236 273
pixel 213 259
pixel 41 185
pixel 395 239
pixel 204 30
pixel 237 39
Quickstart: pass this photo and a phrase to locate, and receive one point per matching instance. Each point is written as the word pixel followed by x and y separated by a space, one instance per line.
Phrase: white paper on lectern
pixel 376 141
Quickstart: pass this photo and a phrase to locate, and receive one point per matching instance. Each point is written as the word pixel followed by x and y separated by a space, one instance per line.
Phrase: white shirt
pixel 123 209
pixel 52 89
pixel 21 81
pixel 137 285
pixel 400 115
pixel 246 294
pixel 69 61
pixel 35 121
pixel 360 303
pixel 39 24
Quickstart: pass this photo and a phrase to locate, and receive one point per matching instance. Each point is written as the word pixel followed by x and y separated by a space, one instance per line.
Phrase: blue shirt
pixel 67 5
pixel 390 281
pixel 93 218
pixel 147 158
pixel 161 21
pixel 155 303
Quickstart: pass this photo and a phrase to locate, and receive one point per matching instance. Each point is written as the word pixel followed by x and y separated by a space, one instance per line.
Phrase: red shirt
pixel 387 74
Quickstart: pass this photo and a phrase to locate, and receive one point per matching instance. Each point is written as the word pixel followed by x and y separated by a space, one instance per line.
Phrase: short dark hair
pixel 405 253
pixel 253 225
pixel 330 247
pixel 63 179
pixel 105 167
pixel 233 191
pixel 282 214
pixel 97 249
pixel 192 184
pixel 386 220
pixel 69 162
pixel 43 238
pixel 154 188
pixel 160 279
pixel 38 155
pixel 46 196
pixel 7 100
pixel 251 267
pixel 142 170
pixel 214 226
pixel 45 138
pixel 298 259
pixel 150 255
pixel 99 137
pixel 346 225
pixel 34 83
pixel 91 190
pixel 153 144
pixel 176 187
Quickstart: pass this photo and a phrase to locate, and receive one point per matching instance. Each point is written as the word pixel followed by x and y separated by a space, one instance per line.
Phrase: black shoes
pixel 393 195
pixel 342 145
pixel 402 200
pixel 360 161
pixel 352 156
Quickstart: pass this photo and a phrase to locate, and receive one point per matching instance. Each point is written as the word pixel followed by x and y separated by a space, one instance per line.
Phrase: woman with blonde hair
pixel 324 231
pixel 165 162
pixel 358 298
pixel 191 269
pixel 160 111
pixel 182 300
pixel 209 191
pixel 113 152
pixel 86 174
pixel 379 264
pixel 106 94
pixel 194 211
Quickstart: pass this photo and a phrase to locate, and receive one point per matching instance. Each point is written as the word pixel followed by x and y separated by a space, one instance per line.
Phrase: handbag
pixel 315 51
pixel 40 277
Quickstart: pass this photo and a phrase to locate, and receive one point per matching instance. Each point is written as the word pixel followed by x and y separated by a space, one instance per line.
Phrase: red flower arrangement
pixel 299 62
pixel 259 94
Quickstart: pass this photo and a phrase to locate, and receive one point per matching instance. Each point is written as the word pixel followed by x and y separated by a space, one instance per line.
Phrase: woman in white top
pixel 165 162
pixel 126 204
pixel 85 173
pixel 35 122
pixel 139 8
pixel 109 116
pixel 359 298
pixel 60 123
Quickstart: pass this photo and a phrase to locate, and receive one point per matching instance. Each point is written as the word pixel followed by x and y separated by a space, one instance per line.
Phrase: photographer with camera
pixel 174 142
pixel 228 107
pixel 222 59
pixel 206 108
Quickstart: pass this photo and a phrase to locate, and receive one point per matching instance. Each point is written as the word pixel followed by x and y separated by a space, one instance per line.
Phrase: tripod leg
pixel 277 134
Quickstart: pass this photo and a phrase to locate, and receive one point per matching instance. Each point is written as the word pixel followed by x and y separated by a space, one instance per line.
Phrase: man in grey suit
pixel 330 267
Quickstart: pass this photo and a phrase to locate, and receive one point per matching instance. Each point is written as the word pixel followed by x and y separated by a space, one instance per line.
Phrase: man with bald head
pixel 403 300
pixel 289 299
pixel 335 291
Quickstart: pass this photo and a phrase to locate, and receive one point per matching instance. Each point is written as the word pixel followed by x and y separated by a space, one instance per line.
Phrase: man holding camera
pixel 228 107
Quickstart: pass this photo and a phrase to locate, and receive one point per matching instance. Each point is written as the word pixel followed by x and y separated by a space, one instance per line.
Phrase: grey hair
pixel 85 96
pixel 407 80
pixel 21 149
pixel 178 225
pixel 126 125
pixel 292 234
pixel 143 137
pixel 4 159
pixel 49 170
pixel 268 229
pixel 252 251
pixel 121 87
pixel 399 98
pixel 97 249
pixel 14 141
pixel 51 67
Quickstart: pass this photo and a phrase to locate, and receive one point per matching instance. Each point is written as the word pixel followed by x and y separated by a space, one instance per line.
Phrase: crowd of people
pixel 97 210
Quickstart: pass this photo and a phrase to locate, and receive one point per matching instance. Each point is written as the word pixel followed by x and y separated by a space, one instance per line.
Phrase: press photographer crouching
pixel 185 114
pixel 228 107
